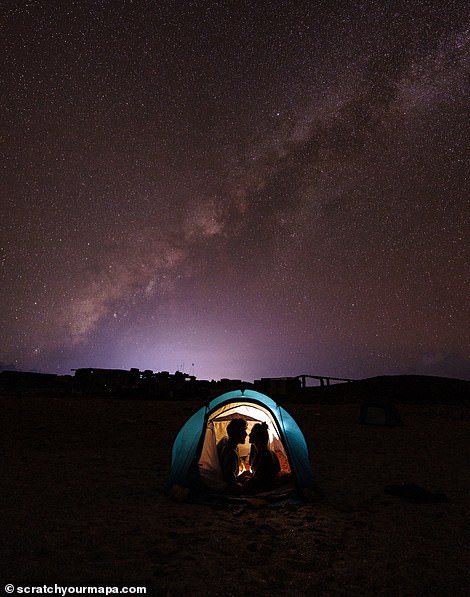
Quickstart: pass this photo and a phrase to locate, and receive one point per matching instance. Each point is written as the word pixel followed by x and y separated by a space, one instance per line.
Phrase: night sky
pixel 255 188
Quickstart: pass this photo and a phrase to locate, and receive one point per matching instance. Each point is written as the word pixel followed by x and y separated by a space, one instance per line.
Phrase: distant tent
pixel 379 412
pixel 195 468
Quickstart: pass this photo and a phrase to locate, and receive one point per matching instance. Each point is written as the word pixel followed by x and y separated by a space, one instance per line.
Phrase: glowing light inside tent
pixel 209 466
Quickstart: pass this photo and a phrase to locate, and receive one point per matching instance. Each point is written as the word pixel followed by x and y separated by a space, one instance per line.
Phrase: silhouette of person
pixel 228 454
pixel 264 462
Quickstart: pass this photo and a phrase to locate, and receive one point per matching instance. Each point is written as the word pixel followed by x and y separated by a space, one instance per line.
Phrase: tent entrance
pixel 216 429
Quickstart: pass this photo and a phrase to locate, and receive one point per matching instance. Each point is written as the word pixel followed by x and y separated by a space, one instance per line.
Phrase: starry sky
pixel 237 189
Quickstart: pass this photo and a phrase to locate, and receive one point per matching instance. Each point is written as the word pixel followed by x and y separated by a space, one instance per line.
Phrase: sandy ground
pixel 82 504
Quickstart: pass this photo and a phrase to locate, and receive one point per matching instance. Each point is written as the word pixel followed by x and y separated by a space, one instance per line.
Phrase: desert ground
pixel 83 505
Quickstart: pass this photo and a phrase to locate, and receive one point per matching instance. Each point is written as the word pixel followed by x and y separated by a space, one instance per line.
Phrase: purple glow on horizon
pixel 257 192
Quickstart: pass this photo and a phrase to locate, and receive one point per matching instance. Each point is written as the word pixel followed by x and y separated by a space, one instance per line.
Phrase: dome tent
pixel 195 468
pixel 377 411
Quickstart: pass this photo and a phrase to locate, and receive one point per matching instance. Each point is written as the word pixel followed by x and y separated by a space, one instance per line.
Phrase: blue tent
pixel 194 463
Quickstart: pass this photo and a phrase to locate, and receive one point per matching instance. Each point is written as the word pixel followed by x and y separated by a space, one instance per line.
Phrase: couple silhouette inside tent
pixel 261 473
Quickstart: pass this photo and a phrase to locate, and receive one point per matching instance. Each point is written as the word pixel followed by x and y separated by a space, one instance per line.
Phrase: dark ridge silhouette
pixel 138 385
pixel 405 389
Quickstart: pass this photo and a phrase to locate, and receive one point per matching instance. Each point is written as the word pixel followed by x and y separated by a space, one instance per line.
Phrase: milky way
pixel 240 189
